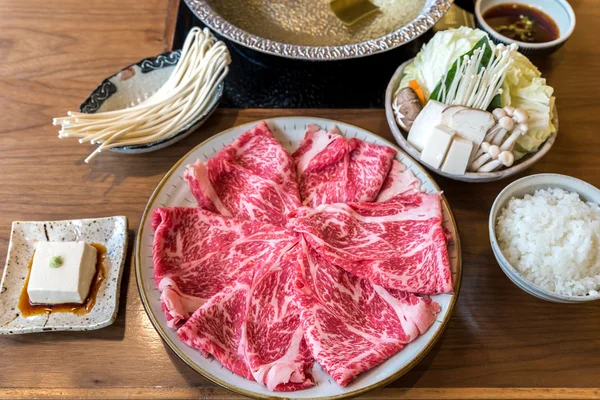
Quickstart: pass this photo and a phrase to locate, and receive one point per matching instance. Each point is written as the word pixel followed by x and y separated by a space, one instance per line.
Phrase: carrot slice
pixel 414 85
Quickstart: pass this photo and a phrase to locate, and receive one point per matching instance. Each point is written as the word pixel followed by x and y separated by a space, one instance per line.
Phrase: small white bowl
pixel 519 189
pixel 559 10
pixel 476 177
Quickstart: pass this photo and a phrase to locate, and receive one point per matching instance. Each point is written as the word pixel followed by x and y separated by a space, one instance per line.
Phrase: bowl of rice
pixel 545 234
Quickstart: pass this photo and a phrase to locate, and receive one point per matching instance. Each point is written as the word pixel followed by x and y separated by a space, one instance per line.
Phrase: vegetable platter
pixel 471 110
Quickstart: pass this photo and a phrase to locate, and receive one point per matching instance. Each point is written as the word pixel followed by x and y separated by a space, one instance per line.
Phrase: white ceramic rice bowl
pixel 528 185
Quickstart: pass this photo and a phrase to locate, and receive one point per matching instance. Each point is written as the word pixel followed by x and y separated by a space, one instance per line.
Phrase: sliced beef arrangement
pixel 321 166
pixel 325 256
pixel 332 169
pixel 197 253
pixel 253 327
pixel 252 178
pixel 352 325
pixel 368 167
pixel 398 244
pixel 400 181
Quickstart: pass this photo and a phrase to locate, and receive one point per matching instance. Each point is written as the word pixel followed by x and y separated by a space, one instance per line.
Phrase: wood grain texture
pixel 499 338
pixel 170 23
pixel 381 394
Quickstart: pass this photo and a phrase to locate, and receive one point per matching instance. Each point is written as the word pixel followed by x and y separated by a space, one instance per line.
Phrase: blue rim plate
pixel 134 84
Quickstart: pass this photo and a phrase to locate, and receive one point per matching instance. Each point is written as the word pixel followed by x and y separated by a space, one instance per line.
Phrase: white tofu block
pixel 437 146
pixel 429 117
pixel 458 156
pixel 68 283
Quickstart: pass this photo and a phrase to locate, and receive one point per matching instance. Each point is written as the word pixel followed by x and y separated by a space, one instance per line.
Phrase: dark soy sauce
pixel 522 23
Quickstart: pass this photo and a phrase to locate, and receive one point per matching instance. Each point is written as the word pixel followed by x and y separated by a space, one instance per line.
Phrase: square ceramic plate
pixel 110 232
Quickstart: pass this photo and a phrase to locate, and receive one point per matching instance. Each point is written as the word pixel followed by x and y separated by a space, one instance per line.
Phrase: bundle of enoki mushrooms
pixel 186 95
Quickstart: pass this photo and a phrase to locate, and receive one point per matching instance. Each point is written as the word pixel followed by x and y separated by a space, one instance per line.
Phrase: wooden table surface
pixel 500 342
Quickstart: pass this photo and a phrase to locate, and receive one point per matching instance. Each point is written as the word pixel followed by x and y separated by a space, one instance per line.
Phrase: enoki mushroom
pixel 185 96
pixel 474 84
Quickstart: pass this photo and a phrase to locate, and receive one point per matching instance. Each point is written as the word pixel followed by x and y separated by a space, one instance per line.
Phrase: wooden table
pixel 500 342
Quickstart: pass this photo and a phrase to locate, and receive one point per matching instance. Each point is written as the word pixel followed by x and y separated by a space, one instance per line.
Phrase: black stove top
pixel 258 80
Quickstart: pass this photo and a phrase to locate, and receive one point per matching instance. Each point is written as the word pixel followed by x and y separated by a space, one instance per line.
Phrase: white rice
pixel 553 239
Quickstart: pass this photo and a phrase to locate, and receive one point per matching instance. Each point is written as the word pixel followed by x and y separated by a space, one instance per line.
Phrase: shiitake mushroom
pixel 406 107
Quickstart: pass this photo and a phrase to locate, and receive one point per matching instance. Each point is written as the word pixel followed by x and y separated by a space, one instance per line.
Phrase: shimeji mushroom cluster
pixel 496 149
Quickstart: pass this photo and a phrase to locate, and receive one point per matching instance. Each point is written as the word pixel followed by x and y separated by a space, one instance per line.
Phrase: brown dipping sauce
pixel 521 22
pixel 29 309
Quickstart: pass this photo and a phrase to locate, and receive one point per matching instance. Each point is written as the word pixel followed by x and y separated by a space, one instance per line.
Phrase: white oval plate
pixel 174 191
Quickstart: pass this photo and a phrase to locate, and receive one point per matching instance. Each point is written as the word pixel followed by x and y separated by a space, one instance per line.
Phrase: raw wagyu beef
pixel 398 244
pixel 253 327
pixel 321 165
pixel 326 255
pixel 368 167
pixel 217 328
pixel 197 253
pixel 352 325
pixel 276 351
pixel 252 178
pixel 332 169
pixel 400 181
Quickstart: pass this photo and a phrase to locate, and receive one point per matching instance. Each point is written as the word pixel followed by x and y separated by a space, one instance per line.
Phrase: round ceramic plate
pixel 400 136
pixel 174 191
pixel 133 85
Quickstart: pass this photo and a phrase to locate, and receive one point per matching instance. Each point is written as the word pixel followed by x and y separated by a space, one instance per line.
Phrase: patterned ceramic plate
pixel 134 84
pixel 110 232
pixel 174 191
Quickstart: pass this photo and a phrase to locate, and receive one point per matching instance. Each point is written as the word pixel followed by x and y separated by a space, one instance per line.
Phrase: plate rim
pixel 160 329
